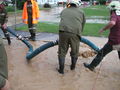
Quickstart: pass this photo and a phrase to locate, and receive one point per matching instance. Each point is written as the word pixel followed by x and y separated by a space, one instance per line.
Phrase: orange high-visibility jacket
pixel 35 13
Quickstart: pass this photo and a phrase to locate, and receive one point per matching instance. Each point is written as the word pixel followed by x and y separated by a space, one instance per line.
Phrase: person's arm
pixel 5 19
pixel 108 26
pixel 84 21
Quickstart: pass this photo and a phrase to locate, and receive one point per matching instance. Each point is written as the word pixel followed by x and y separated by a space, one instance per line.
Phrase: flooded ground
pixel 41 73
pixel 50 15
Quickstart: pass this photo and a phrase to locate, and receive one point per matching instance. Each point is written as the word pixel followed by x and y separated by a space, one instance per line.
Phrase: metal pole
pixel 15 15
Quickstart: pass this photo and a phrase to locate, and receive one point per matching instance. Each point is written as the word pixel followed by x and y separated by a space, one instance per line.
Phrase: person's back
pixel 70 27
pixel 72 20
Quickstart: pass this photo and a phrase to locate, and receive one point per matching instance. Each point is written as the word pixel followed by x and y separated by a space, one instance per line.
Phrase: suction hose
pixel 51 44
pixel 21 38
pixel 40 49
pixel 32 53
pixel 90 44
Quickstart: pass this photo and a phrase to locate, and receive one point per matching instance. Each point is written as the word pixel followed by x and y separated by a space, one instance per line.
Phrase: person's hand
pixel 4 26
pixel 101 30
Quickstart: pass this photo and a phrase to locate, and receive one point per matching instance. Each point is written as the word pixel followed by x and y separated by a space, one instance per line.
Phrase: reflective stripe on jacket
pixel 35 13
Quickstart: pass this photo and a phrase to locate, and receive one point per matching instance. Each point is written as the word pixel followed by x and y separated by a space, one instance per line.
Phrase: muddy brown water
pixel 41 73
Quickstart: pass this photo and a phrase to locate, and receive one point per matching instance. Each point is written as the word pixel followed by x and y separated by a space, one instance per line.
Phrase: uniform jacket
pixel 72 20
pixel 114 36
pixel 3 16
pixel 35 13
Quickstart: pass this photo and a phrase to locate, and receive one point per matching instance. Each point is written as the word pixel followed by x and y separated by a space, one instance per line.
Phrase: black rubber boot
pixel 89 66
pixel 61 65
pixel 9 41
pixel 119 54
pixel 32 37
pixel 73 61
pixel 8 38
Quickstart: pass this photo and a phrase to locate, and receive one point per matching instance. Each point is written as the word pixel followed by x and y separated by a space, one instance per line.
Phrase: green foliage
pixel 19 3
pixel 102 2
pixel 10 9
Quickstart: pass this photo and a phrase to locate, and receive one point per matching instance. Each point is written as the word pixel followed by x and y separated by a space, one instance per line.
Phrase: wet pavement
pixel 41 73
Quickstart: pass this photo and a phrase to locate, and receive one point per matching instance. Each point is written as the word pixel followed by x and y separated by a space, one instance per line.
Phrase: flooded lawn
pixel 51 15
pixel 41 73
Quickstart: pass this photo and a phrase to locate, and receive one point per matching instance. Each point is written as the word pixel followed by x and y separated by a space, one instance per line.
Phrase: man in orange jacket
pixel 30 16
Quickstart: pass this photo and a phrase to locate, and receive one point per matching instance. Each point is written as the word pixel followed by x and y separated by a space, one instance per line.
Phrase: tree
pixel 102 2
pixel 19 3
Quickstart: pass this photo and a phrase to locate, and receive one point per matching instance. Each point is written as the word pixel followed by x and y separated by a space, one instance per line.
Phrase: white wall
pixel 49 1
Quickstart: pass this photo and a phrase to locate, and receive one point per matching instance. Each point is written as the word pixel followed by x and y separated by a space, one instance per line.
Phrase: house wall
pixel 50 1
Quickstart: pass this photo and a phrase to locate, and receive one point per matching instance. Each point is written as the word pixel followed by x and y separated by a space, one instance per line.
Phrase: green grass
pixel 93 29
pixel 42 27
pixel 11 9
pixel 89 30
pixel 96 11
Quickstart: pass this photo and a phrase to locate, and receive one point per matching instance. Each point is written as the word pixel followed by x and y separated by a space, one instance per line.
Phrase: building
pixel 52 1
pixel 48 1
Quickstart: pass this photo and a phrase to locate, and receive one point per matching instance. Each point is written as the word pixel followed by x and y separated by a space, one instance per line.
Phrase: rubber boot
pixel 89 66
pixel 96 61
pixel 32 37
pixel 119 54
pixel 61 65
pixel 9 41
pixel 73 63
pixel 8 38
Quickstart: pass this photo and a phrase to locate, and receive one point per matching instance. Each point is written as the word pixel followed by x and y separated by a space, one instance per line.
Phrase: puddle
pixel 52 15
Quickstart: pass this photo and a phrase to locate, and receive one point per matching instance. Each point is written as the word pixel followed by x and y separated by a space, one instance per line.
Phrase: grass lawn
pixel 89 30
pixel 97 11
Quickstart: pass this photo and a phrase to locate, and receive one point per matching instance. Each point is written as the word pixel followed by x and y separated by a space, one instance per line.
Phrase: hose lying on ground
pixel 51 44
pixel 32 53
pixel 21 38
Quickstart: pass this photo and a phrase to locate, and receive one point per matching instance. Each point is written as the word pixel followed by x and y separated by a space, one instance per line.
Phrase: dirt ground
pixel 41 74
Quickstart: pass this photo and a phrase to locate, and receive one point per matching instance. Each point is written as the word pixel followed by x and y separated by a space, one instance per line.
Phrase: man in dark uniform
pixel 4 84
pixel 114 36
pixel 30 16
pixel 3 21
pixel 32 27
pixel 70 28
